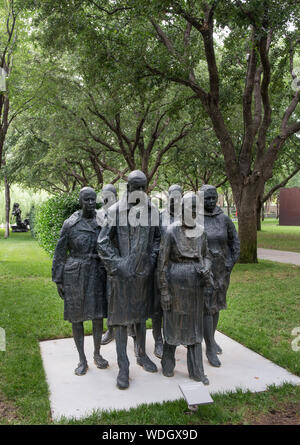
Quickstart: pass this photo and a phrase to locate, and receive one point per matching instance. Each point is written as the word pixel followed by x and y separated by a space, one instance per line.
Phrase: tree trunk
pixel 227 203
pixel 7 206
pixel 258 211
pixel 247 221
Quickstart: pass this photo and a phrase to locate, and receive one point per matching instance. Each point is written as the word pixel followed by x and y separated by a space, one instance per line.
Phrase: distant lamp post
pixel 3 75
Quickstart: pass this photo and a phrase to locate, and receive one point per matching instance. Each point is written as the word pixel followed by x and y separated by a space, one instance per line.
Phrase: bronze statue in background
pixel 21 226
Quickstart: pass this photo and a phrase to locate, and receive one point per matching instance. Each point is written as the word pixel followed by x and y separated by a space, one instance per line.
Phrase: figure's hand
pixel 166 302
pixel 229 267
pixel 153 259
pixel 206 274
pixel 203 272
pixel 208 291
pixel 60 290
pixel 126 267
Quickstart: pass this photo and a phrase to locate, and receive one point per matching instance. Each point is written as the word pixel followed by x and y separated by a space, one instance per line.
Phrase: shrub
pixel 50 216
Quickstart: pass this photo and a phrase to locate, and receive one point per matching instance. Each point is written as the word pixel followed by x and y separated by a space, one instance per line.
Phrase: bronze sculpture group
pixel 128 262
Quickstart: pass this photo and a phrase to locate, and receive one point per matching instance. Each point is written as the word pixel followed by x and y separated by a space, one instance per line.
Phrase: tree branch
pixel 172 143
pixel 164 39
pixel 246 150
pixel 280 185
pixel 264 46
pixel 113 11
pixel 289 111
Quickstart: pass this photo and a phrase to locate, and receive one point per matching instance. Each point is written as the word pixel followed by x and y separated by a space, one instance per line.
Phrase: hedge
pixel 50 216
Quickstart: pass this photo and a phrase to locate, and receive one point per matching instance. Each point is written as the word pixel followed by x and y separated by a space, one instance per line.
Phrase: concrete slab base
pixel 75 397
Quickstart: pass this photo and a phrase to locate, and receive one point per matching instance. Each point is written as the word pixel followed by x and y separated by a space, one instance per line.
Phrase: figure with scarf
pixel 224 248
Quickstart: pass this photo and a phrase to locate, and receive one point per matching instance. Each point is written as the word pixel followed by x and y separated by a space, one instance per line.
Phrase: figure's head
pixel 87 200
pixel 137 181
pixel 210 197
pixel 190 209
pixel 109 194
pixel 109 188
pixel 175 188
pixel 175 195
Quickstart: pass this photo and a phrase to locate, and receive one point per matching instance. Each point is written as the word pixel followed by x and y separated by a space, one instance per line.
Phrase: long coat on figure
pixel 76 264
pixel 224 248
pixel 129 254
pixel 180 265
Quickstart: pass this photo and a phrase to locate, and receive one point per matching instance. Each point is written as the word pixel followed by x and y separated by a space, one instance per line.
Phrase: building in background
pixel 289 207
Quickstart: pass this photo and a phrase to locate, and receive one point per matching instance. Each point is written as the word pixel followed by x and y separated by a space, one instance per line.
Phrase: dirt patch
pixel 286 415
pixel 8 411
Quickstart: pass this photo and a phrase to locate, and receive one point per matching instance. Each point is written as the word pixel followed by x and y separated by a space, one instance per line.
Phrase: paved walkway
pixel 279 255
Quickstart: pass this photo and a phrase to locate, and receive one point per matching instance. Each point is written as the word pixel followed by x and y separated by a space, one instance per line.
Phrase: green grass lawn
pixel 273 236
pixel 263 308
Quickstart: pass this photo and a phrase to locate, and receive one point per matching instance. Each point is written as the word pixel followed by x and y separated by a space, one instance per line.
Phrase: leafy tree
pixel 79 132
pixel 250 159
pixel 204 163
pixel 206 47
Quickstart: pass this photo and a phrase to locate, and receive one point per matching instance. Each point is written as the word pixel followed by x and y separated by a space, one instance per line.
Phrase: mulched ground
pixel 285 415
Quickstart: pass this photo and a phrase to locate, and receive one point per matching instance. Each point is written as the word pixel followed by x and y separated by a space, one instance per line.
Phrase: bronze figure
pixel 184 268
pixel 224 248
pixel 129 252
pixel 109 197
pixel 80 276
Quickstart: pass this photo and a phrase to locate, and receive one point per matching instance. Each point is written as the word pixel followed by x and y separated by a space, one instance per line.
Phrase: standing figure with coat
pixel 109 197
pixel 224 248
pixel 80 276
pixel 128 246
pixel 171 213
pixel 184 269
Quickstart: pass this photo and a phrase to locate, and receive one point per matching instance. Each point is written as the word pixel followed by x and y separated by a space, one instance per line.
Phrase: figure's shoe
pixel 107 337
pixel 218 348
pixel 212 358
pixel 146 363
pixel 158 349
pixel 100 362
pixel 123 380
pixel 167 373
pixel 81 368
pixel 200 378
